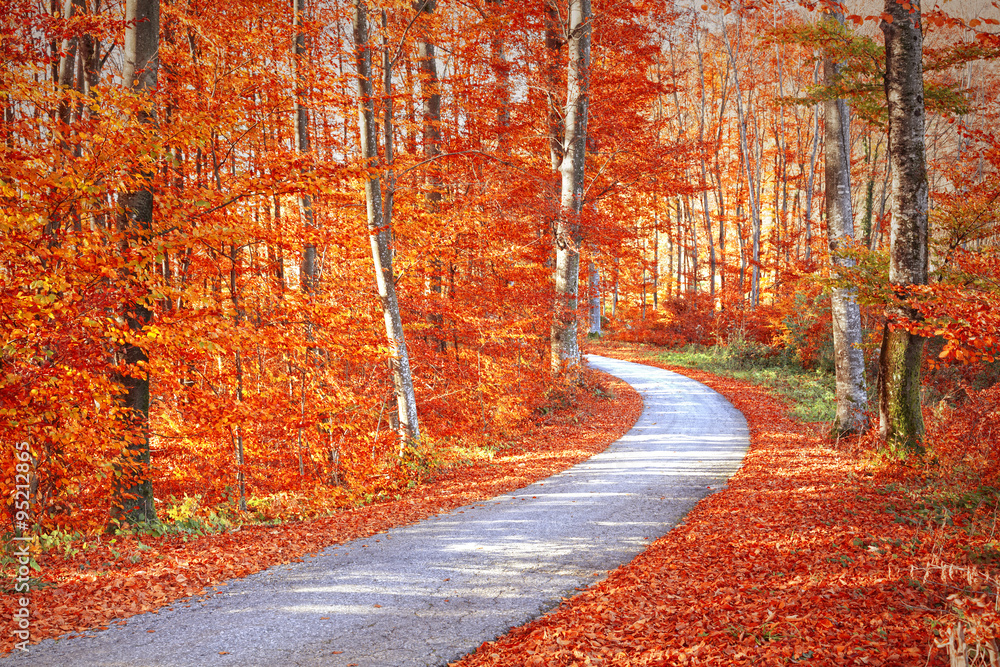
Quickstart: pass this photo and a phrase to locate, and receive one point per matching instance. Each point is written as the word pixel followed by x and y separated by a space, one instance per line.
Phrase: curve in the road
pixel 428 593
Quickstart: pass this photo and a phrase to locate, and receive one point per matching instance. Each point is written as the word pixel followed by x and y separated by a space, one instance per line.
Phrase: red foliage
pixel 679 321
pixel 966 437
pixel 82 591
pixel 803 557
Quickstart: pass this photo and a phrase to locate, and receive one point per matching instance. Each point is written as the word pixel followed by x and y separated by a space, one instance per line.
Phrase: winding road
pixel 428 593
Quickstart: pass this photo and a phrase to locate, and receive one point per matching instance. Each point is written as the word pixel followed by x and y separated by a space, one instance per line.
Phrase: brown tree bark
pixel 901 424
pixel 133 486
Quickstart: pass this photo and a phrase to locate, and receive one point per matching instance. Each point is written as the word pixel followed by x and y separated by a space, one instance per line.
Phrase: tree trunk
pixel 380 235
pixel 900 423
pixel 719 190
pixel 133 486
pixel 501 68
pixel 309 269
pixel 429 91
pixel 614 294
pixel 568 236
pixel 553 46
pixel 704 172
pixel 752 182
pixel 689 217
pixel 595 297
pixel 852 396
pixel 809 181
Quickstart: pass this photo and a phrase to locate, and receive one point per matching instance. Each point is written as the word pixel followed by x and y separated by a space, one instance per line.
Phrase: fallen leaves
pixel 773 569
pixel 90 589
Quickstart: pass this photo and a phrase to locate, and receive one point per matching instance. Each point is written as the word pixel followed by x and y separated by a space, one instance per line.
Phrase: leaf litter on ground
pixel 806 556
pixel 79 592
pixel 801 558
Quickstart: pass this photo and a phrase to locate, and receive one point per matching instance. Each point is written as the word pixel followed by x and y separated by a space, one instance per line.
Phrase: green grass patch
pixel 811 395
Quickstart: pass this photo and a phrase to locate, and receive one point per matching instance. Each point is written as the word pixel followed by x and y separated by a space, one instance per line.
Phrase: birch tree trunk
pixel 852 396
pixel 900 423
pixel 719 190
pixel 752 191
pixel 812 174
pixel 568 234
pixel 704 171
pixel 380 234
pixel 133 487
pixel 595 297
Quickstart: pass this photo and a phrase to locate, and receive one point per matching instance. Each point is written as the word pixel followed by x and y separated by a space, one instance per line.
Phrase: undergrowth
pixel 810 394
pixel 949 494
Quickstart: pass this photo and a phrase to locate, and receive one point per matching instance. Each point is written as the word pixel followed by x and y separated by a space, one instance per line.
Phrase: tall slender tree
pixel 568 232
pixel 750 158
pixel 900 422
pixel 134 487
pixel 380 234
pixel 310 272
pixel 430 91
pixel 852 397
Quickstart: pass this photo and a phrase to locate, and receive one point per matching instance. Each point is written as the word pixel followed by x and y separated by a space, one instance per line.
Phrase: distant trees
pixel 225 338
pixel 522 164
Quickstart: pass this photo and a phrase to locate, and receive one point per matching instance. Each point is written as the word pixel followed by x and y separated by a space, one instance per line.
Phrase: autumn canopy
pixel 291 254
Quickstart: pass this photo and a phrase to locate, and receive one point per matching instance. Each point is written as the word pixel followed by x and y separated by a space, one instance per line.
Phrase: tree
pixel 849 359
pixel 299 55
pixel 568 232
pixel 753 169
pixel 901 425
pixel 134 487
pixel 380 234
pixel 430 91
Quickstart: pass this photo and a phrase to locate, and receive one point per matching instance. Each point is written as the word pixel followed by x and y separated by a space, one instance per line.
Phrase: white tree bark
pixel 380 234
pixel 812 174
pixel 704 171
pixel 852 397
pixel 568 234
pixel 753 180
pixel 595 297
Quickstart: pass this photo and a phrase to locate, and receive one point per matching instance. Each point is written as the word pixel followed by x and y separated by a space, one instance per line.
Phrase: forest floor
pixel 83 588
pixel 811 554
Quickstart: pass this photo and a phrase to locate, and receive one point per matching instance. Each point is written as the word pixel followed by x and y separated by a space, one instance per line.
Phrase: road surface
pixel 428 593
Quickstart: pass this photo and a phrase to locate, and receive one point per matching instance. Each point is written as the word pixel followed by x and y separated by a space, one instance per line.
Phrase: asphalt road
pixel 428 593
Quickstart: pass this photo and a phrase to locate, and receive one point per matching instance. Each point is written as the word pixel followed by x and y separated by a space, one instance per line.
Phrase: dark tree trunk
pixel 133 487
pixel 302 146
pixel 901 424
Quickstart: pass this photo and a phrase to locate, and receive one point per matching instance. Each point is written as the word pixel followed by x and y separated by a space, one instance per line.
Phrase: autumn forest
pixel 276 259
